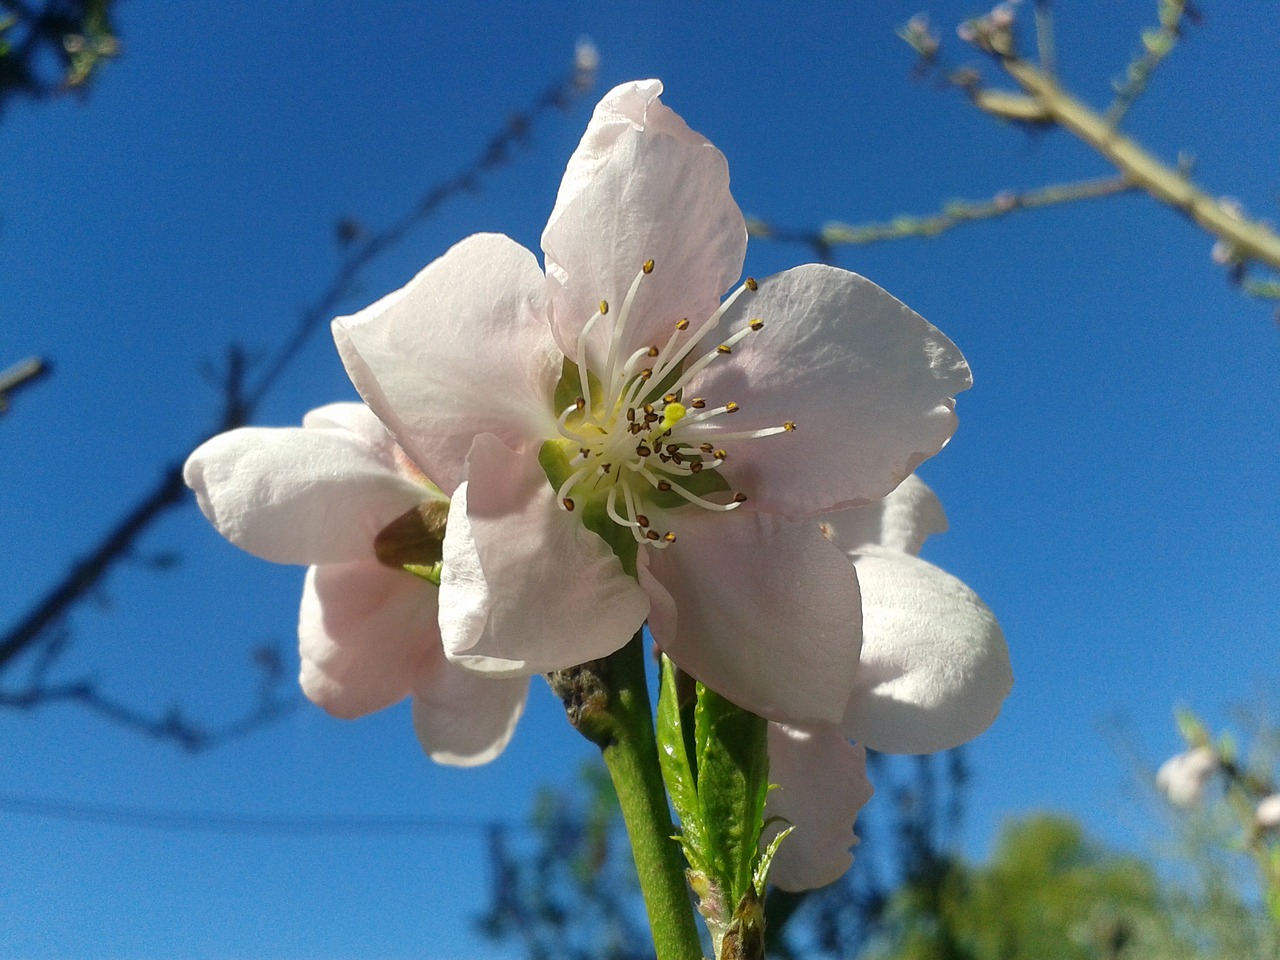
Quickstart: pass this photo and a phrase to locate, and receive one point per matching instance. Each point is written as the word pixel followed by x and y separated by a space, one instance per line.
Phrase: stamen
pixel 665 485
pixel 672 362
pixel 616 341
pixel 567 504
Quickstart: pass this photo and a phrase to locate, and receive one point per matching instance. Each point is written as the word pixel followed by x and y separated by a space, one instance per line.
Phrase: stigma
pixel 639 442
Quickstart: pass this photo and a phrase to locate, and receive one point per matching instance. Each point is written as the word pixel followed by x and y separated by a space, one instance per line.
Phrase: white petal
pixel 641 186
pixel 901 521
pixel 526 588
pixel 464 719
pixel 868 383
pixel 367 635
pixel 763 611
pixel 935 666
pixel 821 783
pixel 295 495
pixel 463 349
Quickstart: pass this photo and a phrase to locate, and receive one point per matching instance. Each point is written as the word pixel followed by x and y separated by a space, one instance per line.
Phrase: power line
pixel 244 824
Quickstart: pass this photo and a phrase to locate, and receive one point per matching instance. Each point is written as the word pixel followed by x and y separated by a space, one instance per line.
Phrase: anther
pixel 643 521
pixel 722 454
pixel 789 425
pixel 670 398
pixel 580 403
pixel 652 535
pixel 695 467
pixel 706 448
pixel 739 498
pixel 672 447
pixel 724 348
pixel 697 403
pixel 652 352
pixel 757 324
pixel 669 537
pixel 664 486
pixel 604 307
pixel 730 407
pixel 646 373
pixel 648 408
pixel 568 504
pixel 751 285
pixel 648 266
pixel 682 324
pixel 643 451
pixel 631 413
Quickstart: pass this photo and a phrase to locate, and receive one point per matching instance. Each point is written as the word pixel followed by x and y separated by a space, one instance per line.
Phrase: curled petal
pixel 763 611
pixel 464 719
pixel 935 666
pixel 821 783
pixel 367 635
pixel 901 521
pixel 463 349
pixel 526 588
pixel 868 383
pixel 641 186
pixel 298 495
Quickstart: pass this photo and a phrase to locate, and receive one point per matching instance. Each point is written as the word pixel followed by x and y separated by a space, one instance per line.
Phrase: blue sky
pixel 1111 488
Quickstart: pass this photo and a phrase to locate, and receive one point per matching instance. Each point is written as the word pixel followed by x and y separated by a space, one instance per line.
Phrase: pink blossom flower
pixel 1182 778
pixel 619 443
pixel 368 632
pixel 1267 815
pixel 933 673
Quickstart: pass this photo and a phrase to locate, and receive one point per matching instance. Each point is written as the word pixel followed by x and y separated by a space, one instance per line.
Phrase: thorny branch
pixel 41 630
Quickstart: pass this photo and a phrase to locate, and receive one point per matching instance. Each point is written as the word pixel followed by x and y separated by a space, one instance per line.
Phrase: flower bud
pixel 1267 815
pixel 1182 779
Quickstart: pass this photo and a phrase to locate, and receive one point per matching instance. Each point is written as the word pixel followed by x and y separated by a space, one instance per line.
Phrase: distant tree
pixel 53 47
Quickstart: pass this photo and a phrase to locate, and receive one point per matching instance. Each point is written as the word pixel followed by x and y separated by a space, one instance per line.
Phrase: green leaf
pixel 674 737
pixel 733 778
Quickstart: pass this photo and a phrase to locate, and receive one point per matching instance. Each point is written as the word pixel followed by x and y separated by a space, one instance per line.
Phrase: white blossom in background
pixel 1267 815
pixel 368 634
pixel 1182 778
pixel 933 673
pixel 616 410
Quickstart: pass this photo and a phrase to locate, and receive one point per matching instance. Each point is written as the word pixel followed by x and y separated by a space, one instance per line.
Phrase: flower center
pixel 637 440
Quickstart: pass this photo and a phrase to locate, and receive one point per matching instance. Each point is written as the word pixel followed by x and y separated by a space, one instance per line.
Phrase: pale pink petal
pixel 367 635
pixel 526 588
pixel 463 349
pixel 821 784
pixel 464 719
pixel 935 666
pixel 763 611
pixel 294 495
pixel 868 383
pixel 357 419
pixel 901 521
pixel 641 186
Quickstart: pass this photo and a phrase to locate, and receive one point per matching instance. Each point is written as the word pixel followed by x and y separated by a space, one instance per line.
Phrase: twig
pixel 22 374
pixel 1157 44
pixel 953 214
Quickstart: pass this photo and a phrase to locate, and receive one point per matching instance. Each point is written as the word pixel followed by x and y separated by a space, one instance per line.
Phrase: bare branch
pixel 19 376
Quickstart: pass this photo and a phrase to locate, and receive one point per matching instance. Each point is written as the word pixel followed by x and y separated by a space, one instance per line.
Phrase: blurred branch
pixel 39 626
pixel 54 47
pixel 1157 43
pixel 953 214
pixel 22 374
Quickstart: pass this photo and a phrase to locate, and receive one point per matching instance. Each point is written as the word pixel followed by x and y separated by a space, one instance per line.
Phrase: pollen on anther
pixel 652 352
pixel 643 521
pixel 752 285
pixel 646 373
pixel 682 324
pixel 757 324
pixel 789 425
pixel 568 504
pixel 648 408
pixel 697 403
pixel 580 403
pixel 722 454
pixel 604 307
pixel 648 266
pixel 724 348
pixel 730 407
pixel 669 536
pixel 706 448
pixel 652 535
pixel 670 398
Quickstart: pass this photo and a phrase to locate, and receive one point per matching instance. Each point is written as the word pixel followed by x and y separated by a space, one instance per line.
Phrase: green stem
pixel 608 702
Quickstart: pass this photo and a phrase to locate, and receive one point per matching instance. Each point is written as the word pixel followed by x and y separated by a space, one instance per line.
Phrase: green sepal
pixel 761 877
pixel 675 737
pixel 428 572
pixel 733 779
